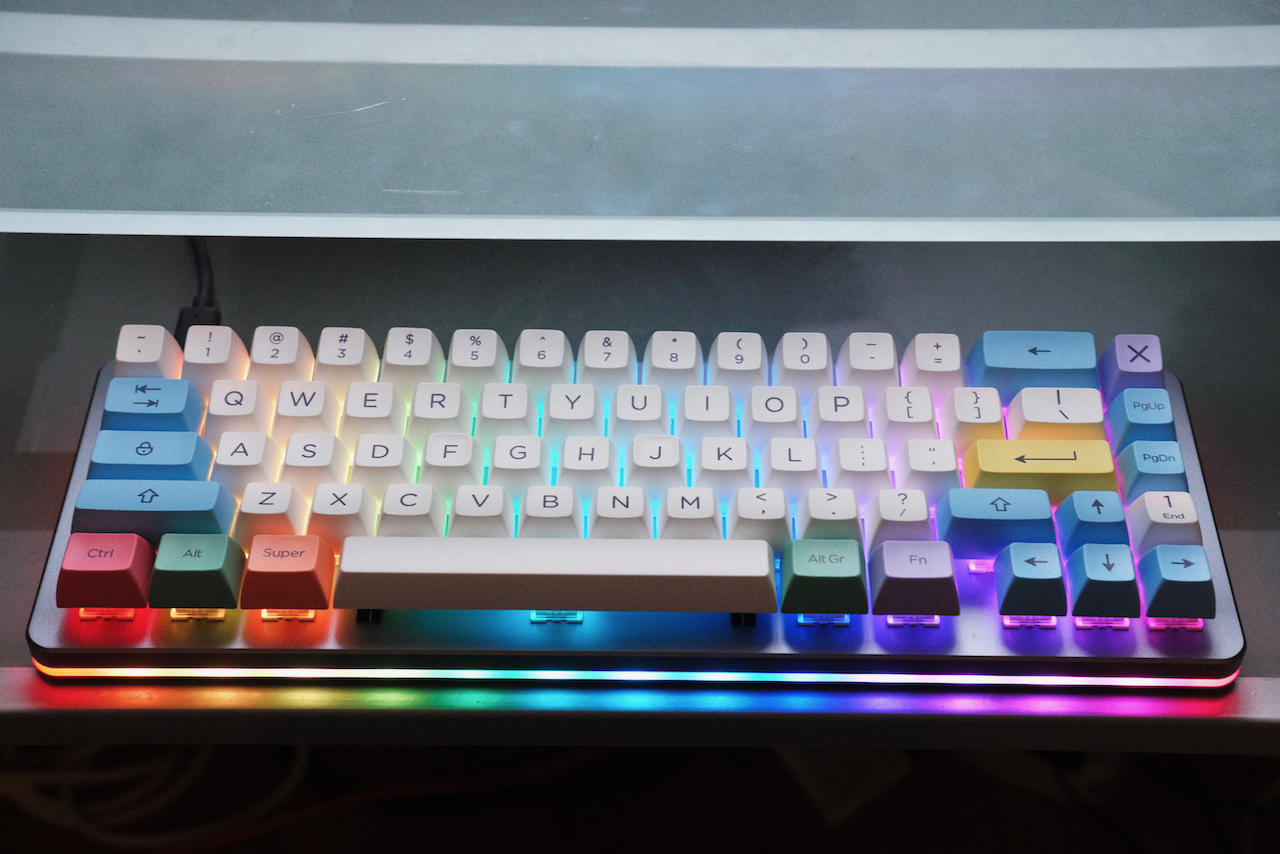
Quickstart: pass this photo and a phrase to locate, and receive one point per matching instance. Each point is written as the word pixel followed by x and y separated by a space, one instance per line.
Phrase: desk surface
pixel 1215 306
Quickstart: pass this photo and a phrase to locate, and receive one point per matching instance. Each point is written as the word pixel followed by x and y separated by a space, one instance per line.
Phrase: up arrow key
pixel 148 495
pixel 1000 504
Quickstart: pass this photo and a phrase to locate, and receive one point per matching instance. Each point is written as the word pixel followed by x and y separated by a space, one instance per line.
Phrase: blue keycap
pixel 1177 582
pixel 1090 516
pixel 1029 580
pixel 1140 414
pixel 1012 361
pixel 153 508
pixel 1151 467
pixel 1130 361
pixel 137 403
pixel 979 523
pixel 1103 582
pixel 150 454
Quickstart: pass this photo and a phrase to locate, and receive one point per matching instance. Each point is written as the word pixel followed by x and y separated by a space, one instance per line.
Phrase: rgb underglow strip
pixel 695 676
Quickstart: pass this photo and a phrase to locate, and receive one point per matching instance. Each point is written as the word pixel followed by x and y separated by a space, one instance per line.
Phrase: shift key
pixel 1059 467
pixel 153 508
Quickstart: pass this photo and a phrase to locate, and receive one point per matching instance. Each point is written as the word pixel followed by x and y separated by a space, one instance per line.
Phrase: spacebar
pixel 735 576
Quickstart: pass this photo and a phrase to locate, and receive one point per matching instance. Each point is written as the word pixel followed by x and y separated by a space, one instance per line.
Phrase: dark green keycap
pixel 196 571
pixel 823 577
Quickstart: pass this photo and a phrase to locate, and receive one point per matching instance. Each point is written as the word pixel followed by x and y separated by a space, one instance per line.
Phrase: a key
pixel 980 523
pixel 760 514
pixel 791 465
pixel 543 359
pixel 381 459
pixel 673 360
pixel 270 508
pixel 213 353
pixel 620 513
pixel 913 578
pixel 1130 361
pixel 739 362
pixel 838 412
pixel 772 412
pixel 550 512
pixel 803 361
pixel 451 460
pixel 898 514
pixel 245 458
pixel 279 354
pixel 505 410
pixel 411 510
pixel 285 572
pixel 588 463
pixel 519 463
pixel 159 454
pixel 346 355
pixel 481 511
pixel 928 465
pixel 1012 361
pixel 411 355
pixel 477 357
pixel 607 360
pixel 1029 580
pixel 933 360
pixel 1058 467
pixel 341 510
pixel 705 410
pixel 689 513
pixel 147 350
pixel 1056 413
pixel 829 514
pixel 869 361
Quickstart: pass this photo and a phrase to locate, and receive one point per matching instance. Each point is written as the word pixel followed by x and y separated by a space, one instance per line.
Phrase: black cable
pixel 203 310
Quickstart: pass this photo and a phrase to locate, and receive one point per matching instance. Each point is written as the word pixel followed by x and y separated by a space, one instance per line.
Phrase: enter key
pixel 1057 466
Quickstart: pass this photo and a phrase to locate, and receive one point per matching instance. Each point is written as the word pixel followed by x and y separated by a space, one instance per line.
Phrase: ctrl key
pixel 105 571
pixel 288 572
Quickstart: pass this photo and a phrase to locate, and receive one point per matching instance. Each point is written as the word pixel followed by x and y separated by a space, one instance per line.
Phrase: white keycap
pixel 738 360
pixel 505 410
pixel 1056 413
pixel 346 355
pixel 588 463
pixel 724 465
pixel 245 458
pixel 411 510
pixel 791 465
pixel 828 514
pixel 383 459
pixel 903 414
pixel 438 408
pixel 928 465
pixel 481 511
pixel 270 508
pixel 311 459
pixel 305 407
pixel 772 412
pixel 655 464
pixel 689 513
pixel 543 359
pixel 240 406
pixel 620 513
pixel 673 360
pixel 213 353
pixel 477 357
pixel 550 512
pixel 372 408
pixel 147 350
pixel 760 514
pixel 594 574
pixel 803 361
pixel 279 354
pixel 411 355
pixel 705 410
pixel 638 410
pixel 518 463
pixel 934 361
pixel 607 360
pixel 838 412
pixel 861 465
pixel 898 514
pixel 1162 518
pixel 571 410
pixel 868 360
pixel 341 510
pixel 451 460
pixel 970 414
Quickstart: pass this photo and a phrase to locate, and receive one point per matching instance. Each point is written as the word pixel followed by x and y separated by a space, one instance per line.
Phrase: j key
pixel 1012 361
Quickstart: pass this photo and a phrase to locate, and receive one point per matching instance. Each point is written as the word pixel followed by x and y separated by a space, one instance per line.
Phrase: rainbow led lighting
pixel 627 676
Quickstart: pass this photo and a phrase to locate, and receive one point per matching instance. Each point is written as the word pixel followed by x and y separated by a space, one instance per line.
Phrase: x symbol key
pixel 1137 354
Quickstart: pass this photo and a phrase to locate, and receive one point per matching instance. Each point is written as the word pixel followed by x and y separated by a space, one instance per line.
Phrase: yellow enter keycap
pixel 1059 467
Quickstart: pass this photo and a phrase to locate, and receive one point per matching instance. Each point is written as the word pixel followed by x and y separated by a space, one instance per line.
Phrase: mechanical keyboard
pixel 835 510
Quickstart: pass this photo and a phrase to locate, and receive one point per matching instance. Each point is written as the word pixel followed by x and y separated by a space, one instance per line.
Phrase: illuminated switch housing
pixel 196 571
pixel 104 571
pixel 286 572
